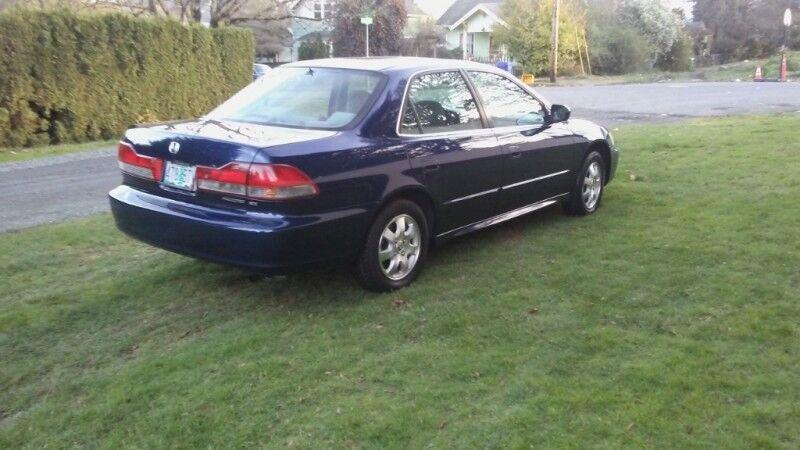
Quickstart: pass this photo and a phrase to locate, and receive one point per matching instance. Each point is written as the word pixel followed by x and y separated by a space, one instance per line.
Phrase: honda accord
pixel 365 162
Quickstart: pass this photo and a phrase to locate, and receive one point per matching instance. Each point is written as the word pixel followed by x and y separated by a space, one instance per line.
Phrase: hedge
pixel 71 77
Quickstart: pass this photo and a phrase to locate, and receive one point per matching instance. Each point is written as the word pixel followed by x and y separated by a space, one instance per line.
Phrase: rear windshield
pixel 302 97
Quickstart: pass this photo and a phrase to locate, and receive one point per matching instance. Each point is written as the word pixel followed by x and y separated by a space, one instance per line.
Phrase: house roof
pixel 460 8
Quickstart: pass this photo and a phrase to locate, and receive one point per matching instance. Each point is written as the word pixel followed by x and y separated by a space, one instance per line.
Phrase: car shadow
pixel 455 251
pixel 322 288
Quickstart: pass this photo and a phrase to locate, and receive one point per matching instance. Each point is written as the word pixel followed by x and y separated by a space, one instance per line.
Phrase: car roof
pixel 391 64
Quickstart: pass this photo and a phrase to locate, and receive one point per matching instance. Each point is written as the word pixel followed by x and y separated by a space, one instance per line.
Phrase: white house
pixel 470 24
pixel 311 19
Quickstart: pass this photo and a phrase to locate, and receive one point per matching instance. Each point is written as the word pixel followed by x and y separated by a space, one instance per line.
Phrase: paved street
pixel 62 187
pixel 50 189
pixel 612 105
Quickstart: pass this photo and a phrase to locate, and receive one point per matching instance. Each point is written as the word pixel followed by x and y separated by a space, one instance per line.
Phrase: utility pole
pixel 554 37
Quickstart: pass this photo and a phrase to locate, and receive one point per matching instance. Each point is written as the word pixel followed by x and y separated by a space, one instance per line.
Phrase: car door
pixel 538 156
pixel 458 156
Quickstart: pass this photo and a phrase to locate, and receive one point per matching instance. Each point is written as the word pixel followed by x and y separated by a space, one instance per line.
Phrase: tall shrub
pixel 71 77
pixel 312 49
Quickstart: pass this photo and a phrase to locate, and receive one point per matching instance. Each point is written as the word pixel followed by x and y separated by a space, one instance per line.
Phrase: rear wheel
pixel 395 249
pixel 588 190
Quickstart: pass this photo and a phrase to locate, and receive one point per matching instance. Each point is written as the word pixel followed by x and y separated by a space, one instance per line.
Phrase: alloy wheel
pixel 592 185
pixel 399 247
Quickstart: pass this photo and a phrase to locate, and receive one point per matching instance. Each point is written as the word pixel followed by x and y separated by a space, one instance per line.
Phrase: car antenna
pixel 310 72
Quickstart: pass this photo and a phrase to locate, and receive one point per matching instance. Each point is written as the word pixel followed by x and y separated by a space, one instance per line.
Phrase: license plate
pixel 179 176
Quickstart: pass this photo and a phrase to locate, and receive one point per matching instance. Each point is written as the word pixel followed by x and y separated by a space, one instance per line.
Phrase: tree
pixel 528 33
pixel 429 41
pixel 741 29
pixel 221 12
pixel 658 24
pixel 385 34
pixel 615 48
pixel 269 36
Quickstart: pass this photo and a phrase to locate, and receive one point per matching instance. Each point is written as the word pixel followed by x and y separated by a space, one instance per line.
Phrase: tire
pixel 374 268
pixel 589 185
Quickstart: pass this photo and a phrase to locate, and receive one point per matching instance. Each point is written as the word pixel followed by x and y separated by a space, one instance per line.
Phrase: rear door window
pixel 439 102
pixel 506 104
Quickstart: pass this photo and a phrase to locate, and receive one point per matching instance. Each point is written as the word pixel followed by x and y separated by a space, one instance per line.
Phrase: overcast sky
pixel 436 7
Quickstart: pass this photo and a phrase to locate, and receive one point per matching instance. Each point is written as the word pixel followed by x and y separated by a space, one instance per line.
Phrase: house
pixel 310 19
pixel 469 24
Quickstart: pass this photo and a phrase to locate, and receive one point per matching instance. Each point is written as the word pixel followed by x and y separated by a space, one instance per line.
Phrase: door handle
pixel 432 168
pixel 516 155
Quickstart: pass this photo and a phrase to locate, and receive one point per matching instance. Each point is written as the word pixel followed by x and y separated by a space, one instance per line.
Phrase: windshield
pixel 302 97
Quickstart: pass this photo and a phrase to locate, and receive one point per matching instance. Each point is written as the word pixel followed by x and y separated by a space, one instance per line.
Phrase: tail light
pixel 138 165
pixel 257 181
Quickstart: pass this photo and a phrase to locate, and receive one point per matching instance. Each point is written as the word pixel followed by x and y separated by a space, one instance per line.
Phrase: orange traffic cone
pixel 758 76
pixel 783 68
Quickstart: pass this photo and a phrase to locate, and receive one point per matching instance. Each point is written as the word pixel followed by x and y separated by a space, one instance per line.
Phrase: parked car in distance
pixel 259 70
pixel 361 161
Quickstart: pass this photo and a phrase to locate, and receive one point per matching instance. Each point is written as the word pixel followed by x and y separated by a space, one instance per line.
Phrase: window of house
pixel 324 9
pixel 318 9
pixel 439 102
pixel 505 102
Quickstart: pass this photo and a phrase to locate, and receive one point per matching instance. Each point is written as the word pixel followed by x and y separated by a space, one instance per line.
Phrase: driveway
pixel 62 187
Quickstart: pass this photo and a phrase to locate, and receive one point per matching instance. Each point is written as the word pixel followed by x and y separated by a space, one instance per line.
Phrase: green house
pixel 469 24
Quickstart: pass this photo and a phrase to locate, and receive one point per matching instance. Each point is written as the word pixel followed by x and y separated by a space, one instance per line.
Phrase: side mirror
pixel 559 113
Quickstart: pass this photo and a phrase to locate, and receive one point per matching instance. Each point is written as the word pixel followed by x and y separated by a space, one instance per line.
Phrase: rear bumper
pixel 264 241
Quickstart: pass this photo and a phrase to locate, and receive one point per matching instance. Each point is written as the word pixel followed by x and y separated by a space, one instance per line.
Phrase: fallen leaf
pixel 533 311
pixel 629 427
pixel 398 303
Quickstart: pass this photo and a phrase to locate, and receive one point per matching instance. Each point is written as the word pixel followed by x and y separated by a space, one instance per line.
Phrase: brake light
pixel 257 181
pixel 228 179
pixel 138 165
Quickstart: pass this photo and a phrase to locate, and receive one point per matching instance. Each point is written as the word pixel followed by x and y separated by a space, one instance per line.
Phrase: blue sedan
pixel 364 162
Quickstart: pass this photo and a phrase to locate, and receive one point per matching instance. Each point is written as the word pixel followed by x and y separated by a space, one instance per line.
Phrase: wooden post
pixel 554 36
pixel 580 51
pixel 586 47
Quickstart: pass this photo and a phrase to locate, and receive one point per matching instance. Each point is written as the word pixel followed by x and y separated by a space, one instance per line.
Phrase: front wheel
pixel 395 249
pixel 588 190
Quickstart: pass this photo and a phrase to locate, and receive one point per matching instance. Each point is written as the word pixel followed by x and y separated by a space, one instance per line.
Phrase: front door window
pixel 439 102
pixel 506 104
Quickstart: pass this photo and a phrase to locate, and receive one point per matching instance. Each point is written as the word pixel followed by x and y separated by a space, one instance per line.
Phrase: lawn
pixel 735 71
pixel 668 319
pixel 23 154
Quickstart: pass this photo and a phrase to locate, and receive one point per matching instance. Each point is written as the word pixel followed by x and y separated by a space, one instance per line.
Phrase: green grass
pixel 23 154
pixel 669 319
pixel 741 71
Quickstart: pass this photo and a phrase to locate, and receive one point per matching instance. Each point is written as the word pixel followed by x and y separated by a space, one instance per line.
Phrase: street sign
pixel 366 20
pixel 787 18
